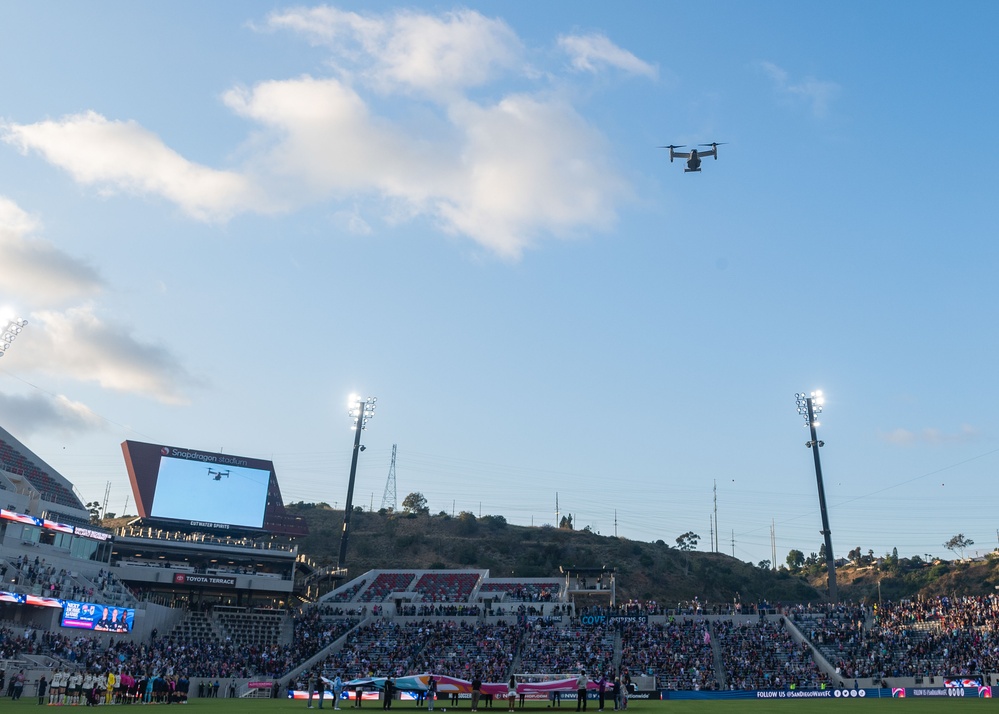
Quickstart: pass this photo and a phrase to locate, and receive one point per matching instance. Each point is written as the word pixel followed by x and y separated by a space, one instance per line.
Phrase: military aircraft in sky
pixel 693 156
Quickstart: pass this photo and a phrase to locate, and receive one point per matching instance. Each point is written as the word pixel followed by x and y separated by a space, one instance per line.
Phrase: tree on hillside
pixel 95 511
pixel 566 523
pixel 795 559
pixel 957 544
pixel 687 541
pixel 415 502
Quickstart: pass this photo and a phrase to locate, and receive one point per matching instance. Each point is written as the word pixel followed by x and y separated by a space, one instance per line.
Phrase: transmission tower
pixel 389 500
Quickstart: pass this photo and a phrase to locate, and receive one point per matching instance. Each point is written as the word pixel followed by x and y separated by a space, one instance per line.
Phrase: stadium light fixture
pixel 360 411
pixel 809 406
pixel 10 333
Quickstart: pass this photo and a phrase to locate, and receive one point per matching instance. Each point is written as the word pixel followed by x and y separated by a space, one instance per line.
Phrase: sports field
pixel 854 706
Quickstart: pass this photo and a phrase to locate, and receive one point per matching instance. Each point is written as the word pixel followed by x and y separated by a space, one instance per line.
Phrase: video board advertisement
pixel 100 618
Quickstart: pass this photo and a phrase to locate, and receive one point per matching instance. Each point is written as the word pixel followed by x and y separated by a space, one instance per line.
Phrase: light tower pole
pixel 10 333
pixel 809 406
pixel 360 411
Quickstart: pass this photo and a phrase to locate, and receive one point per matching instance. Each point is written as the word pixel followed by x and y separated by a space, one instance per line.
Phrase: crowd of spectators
pixel 924 637
pixel 40 578
pixel 439 610
pixel 550 648
pixel 524 592
pixel 678 653
pixel 942 636
pixel 314 631
pixel 462 650
pixel 381 648
pixel 36 577
pixel 763 655
pixel 14 643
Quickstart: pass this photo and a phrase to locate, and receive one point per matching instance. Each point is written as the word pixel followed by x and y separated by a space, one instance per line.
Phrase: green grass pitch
pixel 943 705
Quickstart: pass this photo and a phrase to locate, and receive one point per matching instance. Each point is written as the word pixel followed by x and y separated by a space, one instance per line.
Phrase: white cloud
pixel 39 414
pixel 65 336
pixel 396 129
pixel 529 166
pixel 817 94
pixel 123 156
pixel 590 53
pixel 78 344
pixel 34 271
pixel 499 174
pixel 324 135
pixel 931 435
pixel 410 51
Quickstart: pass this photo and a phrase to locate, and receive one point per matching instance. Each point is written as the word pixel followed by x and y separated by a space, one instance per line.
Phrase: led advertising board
pixel 101 618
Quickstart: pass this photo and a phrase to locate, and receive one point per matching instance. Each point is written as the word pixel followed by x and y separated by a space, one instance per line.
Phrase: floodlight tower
pixel 10 333
pixel 810 406
pixel 360 411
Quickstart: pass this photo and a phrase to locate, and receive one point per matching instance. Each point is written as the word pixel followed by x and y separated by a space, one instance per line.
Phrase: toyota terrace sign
pixel 212 580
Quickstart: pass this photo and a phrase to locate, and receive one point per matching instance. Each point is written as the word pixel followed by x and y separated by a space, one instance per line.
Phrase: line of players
pixel 74 688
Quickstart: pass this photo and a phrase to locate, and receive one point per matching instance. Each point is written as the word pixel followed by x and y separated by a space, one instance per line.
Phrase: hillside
pixel 645 571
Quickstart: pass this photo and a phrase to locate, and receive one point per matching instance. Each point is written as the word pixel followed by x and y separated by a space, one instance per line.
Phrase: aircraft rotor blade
pixel 715 143
pixel 672 146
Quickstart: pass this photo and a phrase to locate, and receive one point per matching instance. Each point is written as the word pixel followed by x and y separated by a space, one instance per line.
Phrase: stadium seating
pixel 52 490
pixel 384 584
pixel 446 586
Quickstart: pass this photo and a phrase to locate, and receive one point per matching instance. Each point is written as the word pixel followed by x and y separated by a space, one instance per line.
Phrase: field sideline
pixel 285 706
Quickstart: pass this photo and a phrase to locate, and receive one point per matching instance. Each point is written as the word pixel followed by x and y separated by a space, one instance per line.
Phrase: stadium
pixel 206 595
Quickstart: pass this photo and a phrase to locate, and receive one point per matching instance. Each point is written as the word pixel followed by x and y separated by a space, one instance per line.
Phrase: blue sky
pixel 220 221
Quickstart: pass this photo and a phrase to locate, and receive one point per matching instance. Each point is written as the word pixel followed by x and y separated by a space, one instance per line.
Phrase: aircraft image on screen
pixel 207 489
pixel 185 490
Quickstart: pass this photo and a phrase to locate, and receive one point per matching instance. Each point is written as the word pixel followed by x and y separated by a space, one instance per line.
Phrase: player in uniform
pixel 54 687
pixel 109 690
pixel 88 687
pixel 63 687
pixel 75 688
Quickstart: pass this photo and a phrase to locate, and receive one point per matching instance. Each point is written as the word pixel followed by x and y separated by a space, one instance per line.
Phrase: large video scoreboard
pixel 205 489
